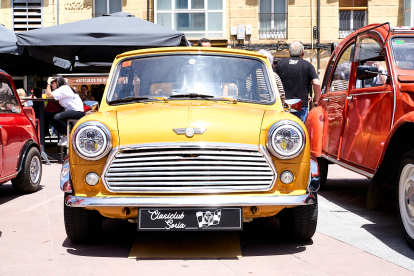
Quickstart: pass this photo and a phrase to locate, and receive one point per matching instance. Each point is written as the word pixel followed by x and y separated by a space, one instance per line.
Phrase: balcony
pixel 272 25
pixel 350 21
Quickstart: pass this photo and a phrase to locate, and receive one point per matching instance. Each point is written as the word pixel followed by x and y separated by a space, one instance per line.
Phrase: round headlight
pixel 91 140
pixel 286 139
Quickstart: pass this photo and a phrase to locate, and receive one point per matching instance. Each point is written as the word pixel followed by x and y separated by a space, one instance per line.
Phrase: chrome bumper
pixel 190 201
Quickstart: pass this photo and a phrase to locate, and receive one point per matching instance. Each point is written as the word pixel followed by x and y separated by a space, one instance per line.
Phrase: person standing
pixel 277 78
pixel 99 94
pixel 297 74
pixel 59 90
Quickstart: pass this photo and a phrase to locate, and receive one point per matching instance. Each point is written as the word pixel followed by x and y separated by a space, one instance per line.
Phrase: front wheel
pixel 299 223
pixel 82 226
pixel 28 179
pixel 405 197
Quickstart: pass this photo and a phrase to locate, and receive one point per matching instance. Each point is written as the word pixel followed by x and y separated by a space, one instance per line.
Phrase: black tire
pixel 30 175
pixel 299 223
pixel 405 208
pixel 323 171
pixel 82 226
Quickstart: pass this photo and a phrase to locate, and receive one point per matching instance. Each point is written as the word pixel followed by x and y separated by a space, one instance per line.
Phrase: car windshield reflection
pixel 184 76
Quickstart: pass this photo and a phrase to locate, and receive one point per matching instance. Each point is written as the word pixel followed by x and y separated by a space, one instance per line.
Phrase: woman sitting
pixel 59 90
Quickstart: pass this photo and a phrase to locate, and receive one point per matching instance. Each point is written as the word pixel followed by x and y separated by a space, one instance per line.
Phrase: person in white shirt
pixel 59 90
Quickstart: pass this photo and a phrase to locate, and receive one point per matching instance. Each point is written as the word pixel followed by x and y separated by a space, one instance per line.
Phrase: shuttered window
pixel 352 16
pixel 27 15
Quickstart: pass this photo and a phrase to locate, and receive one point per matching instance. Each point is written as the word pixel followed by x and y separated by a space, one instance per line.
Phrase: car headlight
pixel 286 139
pixel 91 140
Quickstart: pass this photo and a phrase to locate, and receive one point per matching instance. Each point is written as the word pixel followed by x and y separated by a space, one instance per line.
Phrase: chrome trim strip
pixel 108 163
pixel 11 175
pixel 333 160
pixel 381 92
pixel 197 145
pixel 195 151
pixel 189 145
pixel 191 201
pixel 335 96
pixel 187 168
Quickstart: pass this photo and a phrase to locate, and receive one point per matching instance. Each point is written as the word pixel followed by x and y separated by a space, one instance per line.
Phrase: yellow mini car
pixel 189 139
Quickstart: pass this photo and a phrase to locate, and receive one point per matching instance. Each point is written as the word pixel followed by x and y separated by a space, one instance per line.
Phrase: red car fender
pixel 407 118
pixel 314 125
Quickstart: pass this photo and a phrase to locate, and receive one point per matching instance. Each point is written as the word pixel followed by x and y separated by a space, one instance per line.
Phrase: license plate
pixel 190 219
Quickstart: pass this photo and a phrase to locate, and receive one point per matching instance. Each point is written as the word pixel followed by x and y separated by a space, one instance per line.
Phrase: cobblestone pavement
pixel 350 239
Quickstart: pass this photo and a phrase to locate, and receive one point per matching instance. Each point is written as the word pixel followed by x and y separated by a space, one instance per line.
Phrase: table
pixel 41 125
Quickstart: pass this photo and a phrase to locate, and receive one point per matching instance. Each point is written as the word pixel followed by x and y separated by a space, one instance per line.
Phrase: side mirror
pixel 293 105
pixel 366 72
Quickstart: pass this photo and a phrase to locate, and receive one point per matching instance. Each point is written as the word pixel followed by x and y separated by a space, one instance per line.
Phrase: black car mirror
pixel 367 72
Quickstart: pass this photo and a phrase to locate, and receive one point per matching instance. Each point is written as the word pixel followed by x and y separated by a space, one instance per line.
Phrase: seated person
pixel 59 90
pixel 85 95
pixel 7 99
pixel 23 99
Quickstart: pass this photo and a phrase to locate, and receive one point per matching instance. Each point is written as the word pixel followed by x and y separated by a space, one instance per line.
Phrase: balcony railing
pixel 272 25
pixel 350 21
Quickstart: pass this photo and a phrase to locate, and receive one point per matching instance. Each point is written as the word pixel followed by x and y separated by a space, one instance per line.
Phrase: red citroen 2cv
pixel 19 142
pixel 365 117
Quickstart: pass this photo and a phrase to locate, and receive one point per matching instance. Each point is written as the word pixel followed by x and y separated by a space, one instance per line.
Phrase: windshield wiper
pixel 131 99
pixel 192 95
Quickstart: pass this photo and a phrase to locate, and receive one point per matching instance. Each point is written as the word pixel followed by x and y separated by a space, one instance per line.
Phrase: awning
pixel 88 79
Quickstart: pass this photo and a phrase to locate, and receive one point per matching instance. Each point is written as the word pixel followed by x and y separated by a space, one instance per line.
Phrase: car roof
pixel 198 49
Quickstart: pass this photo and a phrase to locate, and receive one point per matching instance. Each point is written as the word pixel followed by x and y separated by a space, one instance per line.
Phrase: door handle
pixel 349 98
pixel 326 99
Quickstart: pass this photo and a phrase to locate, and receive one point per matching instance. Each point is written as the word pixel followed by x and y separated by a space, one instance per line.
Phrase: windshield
pixel 181 75
pixel 403 52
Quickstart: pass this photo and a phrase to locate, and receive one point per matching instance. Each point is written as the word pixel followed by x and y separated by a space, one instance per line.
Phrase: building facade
pixel 247 24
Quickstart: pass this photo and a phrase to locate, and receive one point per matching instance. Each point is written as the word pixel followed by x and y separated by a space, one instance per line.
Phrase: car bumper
pixel 191 201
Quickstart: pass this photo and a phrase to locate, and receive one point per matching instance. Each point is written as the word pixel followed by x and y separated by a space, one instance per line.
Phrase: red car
pixel 19 141
pixel 365 117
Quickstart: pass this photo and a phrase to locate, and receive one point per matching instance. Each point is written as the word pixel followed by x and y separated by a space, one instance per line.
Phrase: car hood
pixel 224 123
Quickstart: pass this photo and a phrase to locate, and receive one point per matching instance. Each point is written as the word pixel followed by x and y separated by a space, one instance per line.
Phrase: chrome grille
pixel 189 168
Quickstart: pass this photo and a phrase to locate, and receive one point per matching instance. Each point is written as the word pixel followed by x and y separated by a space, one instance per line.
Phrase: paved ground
pixel 350 240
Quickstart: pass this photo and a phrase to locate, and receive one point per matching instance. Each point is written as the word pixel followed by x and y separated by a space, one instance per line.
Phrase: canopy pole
pixel 147 10
pixel 57 11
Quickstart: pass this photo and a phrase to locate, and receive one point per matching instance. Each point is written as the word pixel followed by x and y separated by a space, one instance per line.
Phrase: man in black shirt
pixel 297 75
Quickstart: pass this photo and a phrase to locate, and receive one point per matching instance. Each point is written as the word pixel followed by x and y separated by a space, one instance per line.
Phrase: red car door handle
pixel 349 98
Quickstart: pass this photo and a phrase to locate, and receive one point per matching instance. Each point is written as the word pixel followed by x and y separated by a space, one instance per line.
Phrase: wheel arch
pixel 399 142
pixel 23 153
pixel 314 125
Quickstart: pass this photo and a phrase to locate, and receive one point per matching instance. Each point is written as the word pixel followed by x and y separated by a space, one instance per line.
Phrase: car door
pixel 369 106
pixel 335 101
pixel 9 113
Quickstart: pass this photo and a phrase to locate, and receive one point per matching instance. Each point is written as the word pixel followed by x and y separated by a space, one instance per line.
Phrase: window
pixel 8 102
pixel 171 76
pixel 195 18
pixel 272 19
pixel 327 75
pixel 340 78
pixel 352 16
pixel 408 13
pixel 403 52
pixel 106 6
pixel 27 15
